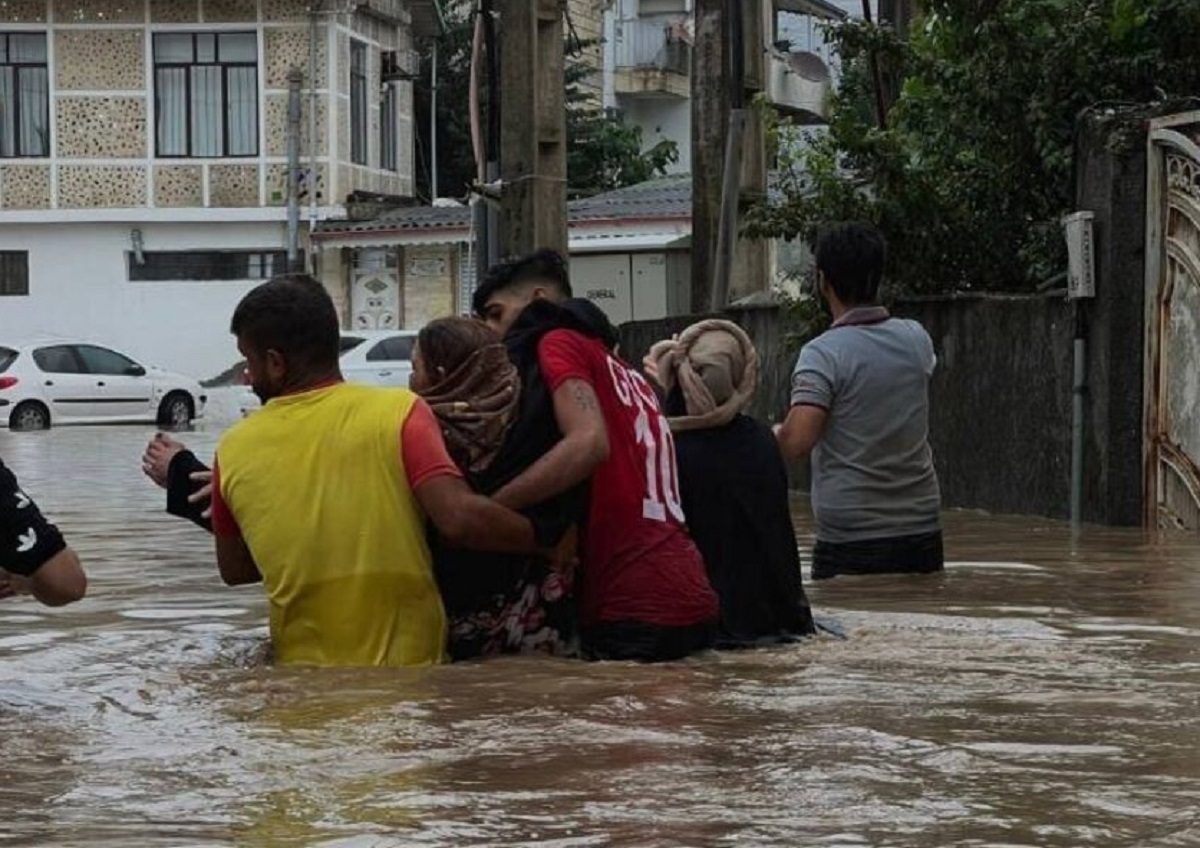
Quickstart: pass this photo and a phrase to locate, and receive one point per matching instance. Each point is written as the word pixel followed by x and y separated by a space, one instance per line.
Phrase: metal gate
pixel 1172 439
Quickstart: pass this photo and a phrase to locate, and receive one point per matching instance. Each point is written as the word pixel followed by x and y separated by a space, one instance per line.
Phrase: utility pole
pixel 295 79
pixel 728 155
pixel 710 131
pixel 533 131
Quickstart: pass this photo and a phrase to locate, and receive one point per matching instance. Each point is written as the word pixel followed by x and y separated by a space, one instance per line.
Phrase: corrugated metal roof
pixel 664 199
pixel 667 197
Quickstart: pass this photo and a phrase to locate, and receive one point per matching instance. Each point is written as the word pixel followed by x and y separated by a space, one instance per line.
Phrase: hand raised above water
pixel 156 461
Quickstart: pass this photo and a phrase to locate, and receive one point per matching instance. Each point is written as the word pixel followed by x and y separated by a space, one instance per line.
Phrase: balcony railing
pixel 647 45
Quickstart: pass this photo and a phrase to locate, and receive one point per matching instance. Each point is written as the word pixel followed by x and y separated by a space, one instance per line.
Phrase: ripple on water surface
pixel 1040 692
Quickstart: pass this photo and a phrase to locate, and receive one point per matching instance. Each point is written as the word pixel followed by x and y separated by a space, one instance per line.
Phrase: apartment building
pixel 648 63
pixel 143 156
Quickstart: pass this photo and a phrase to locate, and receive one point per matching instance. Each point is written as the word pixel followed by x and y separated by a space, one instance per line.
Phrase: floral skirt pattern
pixel 537 615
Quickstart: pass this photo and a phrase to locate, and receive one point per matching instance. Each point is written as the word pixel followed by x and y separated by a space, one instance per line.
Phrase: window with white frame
pixel 24 95
pixel 358 103
pixel 206 94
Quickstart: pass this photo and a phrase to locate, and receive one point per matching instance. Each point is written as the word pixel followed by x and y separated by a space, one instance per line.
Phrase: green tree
pixel 973 168
pixel 604 151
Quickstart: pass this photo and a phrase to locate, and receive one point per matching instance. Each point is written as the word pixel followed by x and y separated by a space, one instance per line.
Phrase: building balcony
pixel 799 84
pixel 795 76
pixel 652 59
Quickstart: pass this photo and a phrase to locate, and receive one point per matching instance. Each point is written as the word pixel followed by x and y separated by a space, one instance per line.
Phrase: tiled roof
pixel 663 199
pixel 666 197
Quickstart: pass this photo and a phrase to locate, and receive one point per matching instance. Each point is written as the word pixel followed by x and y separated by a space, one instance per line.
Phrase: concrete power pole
pixel 728 157
pixel 295 79
pixel 710 127
pixel 533 134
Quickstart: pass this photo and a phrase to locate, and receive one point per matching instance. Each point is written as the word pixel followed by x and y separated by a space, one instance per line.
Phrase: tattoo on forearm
pixel 584 397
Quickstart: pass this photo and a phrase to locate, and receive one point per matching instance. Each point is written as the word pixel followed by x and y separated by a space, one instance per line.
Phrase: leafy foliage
pixel 974 166
pixel 604 152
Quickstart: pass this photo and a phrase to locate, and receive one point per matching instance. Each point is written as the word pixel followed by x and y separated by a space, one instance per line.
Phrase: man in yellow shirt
pixel 323 494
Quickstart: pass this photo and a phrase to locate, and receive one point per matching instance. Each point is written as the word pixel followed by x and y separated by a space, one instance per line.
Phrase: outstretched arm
pixel 463 518
pixel 467 520
pixel 800 431
pixel 583 448
pixel 32 549
pixel 60 581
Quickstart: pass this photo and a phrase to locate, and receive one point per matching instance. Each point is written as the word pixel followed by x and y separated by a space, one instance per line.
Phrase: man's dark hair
pixel 543 266
pixel 294 315
pixel 852 258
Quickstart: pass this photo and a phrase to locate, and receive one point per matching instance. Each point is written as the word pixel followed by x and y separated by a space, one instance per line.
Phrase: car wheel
pixel 176 410
pixel 30 415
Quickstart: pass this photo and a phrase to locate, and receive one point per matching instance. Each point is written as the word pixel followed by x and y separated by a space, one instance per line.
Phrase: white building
pixel 648 63
pixel 143 177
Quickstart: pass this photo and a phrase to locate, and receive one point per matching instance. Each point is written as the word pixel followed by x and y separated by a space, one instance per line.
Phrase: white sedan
pixel 374 357
pixel 66 382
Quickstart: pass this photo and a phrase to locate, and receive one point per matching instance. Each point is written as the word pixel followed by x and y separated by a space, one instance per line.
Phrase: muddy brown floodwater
pixel 1044 691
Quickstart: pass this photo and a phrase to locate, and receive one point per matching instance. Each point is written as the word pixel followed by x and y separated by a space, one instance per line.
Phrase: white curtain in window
pixel 242 109
pixel 35 107
pixel 172 111
pixel 208 122
pixel 8 122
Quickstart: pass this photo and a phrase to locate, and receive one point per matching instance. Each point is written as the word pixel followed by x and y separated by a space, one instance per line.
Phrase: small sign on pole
pixel 1081 275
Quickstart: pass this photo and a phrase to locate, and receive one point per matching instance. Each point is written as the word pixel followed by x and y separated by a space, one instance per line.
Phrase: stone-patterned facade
pixel 233 186
pixel 100 60
pixel 178 186
pixel 24 186
pixel 174 11
pixel 102 127
pixel 99 11
pixel 101 186
pixel 23 11
pixel 103 144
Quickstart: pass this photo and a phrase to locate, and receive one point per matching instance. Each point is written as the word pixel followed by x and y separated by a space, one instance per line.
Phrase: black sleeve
pixel 180 486
pixel 552 519
pixel 27 540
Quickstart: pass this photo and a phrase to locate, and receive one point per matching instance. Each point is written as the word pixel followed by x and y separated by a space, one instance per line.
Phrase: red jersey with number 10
pixel 639 564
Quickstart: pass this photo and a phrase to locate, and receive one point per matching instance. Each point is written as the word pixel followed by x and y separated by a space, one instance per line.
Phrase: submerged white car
pixel 374 357
pixel 67 382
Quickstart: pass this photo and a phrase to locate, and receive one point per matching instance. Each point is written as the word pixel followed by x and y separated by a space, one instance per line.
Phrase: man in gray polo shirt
pixel 860 408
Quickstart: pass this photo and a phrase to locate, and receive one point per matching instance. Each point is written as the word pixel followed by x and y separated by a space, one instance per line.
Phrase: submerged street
pixel 1041 692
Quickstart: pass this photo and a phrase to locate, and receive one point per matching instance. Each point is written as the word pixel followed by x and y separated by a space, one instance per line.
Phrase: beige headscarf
pixel 476 405
pixel 716 366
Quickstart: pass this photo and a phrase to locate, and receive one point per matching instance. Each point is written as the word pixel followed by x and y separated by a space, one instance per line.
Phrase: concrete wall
pixel 79 288
pixel 1000 401
pixel 660 119
pixel 1000 421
